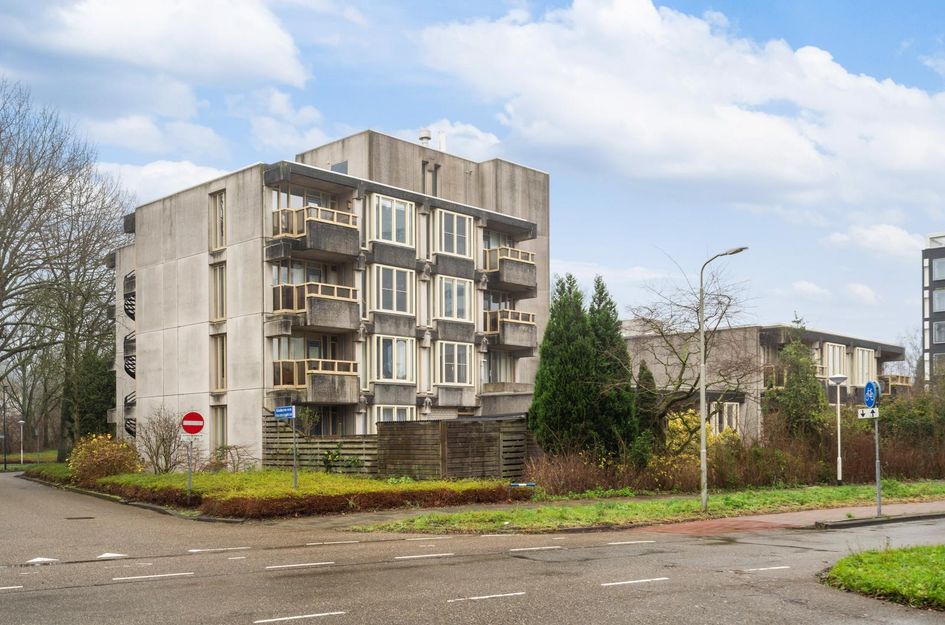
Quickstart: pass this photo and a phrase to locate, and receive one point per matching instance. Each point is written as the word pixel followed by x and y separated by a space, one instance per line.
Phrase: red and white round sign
pixel 192 423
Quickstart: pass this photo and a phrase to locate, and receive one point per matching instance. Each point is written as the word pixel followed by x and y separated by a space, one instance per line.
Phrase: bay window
pixel 454 363
pixel 455 298
pixel 393 220
pixel 394 357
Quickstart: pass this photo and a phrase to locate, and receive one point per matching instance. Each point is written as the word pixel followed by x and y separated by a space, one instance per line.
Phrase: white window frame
pixel 937 359
pixel 377 300
pixel 500 364
pixel 449 243
pixel 218 436
pixel 936 273
pixel 726 416
pixel 399 345
pixel 409 218
pixel 935 303
pixel 217 220
pixel 935 325
pixel 451 283
pixel 218 292
pixel 841 351
pixel 380 411
pixel 442 371
pixel 218 363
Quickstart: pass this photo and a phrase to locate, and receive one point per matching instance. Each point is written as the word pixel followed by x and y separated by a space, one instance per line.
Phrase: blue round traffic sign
pixel 871 394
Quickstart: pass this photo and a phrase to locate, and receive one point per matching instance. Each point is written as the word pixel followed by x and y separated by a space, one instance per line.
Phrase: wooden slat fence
pixel 358 454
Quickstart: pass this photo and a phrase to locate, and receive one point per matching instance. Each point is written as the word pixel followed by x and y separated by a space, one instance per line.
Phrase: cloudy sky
pixel 812 132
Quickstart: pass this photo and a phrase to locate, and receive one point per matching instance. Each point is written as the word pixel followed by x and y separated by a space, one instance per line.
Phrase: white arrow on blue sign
pixel 284 413
pixel 871 394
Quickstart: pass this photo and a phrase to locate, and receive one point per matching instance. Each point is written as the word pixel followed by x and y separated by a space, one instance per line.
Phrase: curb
pixel 136 504
pixel 883 520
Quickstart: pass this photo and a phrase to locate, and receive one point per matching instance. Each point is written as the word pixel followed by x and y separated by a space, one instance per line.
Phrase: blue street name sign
pixel 283 413
pixel 871 394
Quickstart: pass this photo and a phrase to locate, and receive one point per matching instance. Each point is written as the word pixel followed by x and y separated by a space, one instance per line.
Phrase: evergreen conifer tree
pixel 647 400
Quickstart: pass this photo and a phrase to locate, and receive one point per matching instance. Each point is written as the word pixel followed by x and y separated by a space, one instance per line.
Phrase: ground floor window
pixel 218 436
pixel 391 413
pixel 725 416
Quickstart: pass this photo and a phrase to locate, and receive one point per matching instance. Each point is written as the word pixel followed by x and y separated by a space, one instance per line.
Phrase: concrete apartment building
pixel 370 279
pixel 744 362
pixel 933 307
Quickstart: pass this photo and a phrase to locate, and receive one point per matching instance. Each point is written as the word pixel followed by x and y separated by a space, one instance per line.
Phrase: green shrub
pixel 98 456
pixel 50 471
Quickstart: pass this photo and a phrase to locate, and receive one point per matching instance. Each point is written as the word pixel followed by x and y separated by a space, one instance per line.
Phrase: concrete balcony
pixel 327 307
pixel 504 398
pixel 511 330
pixel 327 233
pixel 512 270
pixel 320 382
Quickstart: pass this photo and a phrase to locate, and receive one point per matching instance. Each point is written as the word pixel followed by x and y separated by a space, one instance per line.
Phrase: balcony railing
pixel 493 318
pixel 292 297
pixel 292 222
pixel 492 257
pixel 291 373
pixel 775 375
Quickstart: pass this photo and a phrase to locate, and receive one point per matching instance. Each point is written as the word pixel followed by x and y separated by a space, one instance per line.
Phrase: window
pixel 496 300
pixel 492 239
pixel 305 347
pixel 938 300
pixel 725 416
pixel 394 358
pixel 391 413
pixel 938 269
pixel 287 196
pixel 938 365
pixel 454 360
pixel 454 232
pixel 393 289
pixel 938 332
pixel 393 220
pixel 300 272
pixel 836 358
pixel 865 366
pixel 218 362
pixel 217 427
pixel 217 220
pixel 500 367
pixel 217 292
pixel 455 298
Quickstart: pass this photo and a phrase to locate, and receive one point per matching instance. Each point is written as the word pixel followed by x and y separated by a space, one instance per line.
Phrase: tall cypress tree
pixel 616 421
pixel 563 405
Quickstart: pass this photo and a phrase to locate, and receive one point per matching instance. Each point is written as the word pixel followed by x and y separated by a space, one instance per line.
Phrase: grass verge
pixel 913 576
pixel 50 471
pixel 662 510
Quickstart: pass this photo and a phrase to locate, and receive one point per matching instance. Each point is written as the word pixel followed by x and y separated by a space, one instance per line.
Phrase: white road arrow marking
pixel 42 560
pixel 108 556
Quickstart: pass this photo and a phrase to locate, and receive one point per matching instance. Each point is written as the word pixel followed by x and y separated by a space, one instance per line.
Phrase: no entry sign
pixel 192 423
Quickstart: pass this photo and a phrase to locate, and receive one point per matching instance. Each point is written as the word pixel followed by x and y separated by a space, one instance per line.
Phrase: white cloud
pixel 461 139
pixel 809 289
pixel 215 41
pixel 884 240
pixel 627 284
pixel 658 95
pixel 863 293
pixel 276 124
pixel 143 134
pixel 159 178
pixel 935 63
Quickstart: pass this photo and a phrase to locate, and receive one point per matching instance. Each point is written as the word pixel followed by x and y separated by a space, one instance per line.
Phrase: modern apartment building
pixel 744 362
pixel 933 307
pixel 370 279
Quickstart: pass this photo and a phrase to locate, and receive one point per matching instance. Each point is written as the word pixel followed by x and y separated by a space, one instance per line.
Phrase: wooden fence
pixel 347 454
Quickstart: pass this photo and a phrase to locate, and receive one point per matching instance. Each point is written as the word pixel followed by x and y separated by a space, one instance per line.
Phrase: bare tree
pixel 159 442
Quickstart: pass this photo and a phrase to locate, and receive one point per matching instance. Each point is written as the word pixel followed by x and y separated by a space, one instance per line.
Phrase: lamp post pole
pixel 703 411
pixel 22 422
pixel 3 392
pixel 839 379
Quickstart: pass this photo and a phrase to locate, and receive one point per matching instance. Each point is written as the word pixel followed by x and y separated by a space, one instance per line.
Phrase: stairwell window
pixel 218 292
pixel 218 220
pixel 454 232
pixel 218 363
pixel 455 298
pixel 218 436
pixel 393 220
pixel 394 359
pixel 454 363
pixel 393 289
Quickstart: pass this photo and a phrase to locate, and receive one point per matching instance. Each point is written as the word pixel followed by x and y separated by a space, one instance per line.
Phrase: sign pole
pixel 190 468
pixel 879 488
pixel 295 457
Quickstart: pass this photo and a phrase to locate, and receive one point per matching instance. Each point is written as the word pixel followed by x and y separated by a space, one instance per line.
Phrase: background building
pixel 933 307
pixel 370 279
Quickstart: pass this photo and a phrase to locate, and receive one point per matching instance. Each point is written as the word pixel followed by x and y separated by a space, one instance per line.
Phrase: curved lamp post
pixel 703 413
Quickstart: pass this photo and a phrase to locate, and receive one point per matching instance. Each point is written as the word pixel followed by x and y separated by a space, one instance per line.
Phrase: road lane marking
pixel 768 568
pixel 295 618
pixel 549 548
pixel 297 566
pixel 638 581
pixel 560 538
pixel 496 535
pixel 237 558
pixel 424 555
pixel 334 542
pixel 429 538
pixel 136 577
pixel 130 566
pixel 109 556
pixel 42 560
pixel 633 542
pixel 510 594
pixel 217 549
pixel 10 587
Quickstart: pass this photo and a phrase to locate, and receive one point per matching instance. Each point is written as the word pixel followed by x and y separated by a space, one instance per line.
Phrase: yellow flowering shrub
pixel 98 455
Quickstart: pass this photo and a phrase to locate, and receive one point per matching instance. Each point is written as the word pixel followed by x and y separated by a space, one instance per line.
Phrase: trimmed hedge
pixel 57 472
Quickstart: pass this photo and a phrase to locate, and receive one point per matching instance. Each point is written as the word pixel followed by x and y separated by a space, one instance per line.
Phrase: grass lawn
pixel 52 471
pixel 913 576
pixel 29 457
pixel 614 514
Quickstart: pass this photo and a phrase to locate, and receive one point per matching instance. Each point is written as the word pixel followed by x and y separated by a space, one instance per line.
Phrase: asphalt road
pixel 123 565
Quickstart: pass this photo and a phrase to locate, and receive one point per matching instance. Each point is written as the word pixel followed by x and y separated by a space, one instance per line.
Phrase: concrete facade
pixel 361 280
pixel 933 308
pixel 744 362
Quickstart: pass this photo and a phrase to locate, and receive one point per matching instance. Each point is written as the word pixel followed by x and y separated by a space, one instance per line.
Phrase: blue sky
pixel 813 132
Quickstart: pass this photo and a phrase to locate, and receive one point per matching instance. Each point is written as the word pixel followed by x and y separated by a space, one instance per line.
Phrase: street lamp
pixel 703 414
pixel 22 422
pixel 838 379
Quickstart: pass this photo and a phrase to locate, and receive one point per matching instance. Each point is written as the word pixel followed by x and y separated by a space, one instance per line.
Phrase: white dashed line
pixel 428 538
pixel 497 535
pixel 237 558
pixel 42 560
pixel 425 555
pixel 217 549
pixel 511 594
pixel 297 566
pixel 334 542
pixel 137 577
pixel 633 542
pixel 111 556
pixel 549 548
pixel 768 568
pixel 295 618
pixel 637 581
pixel 10 587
